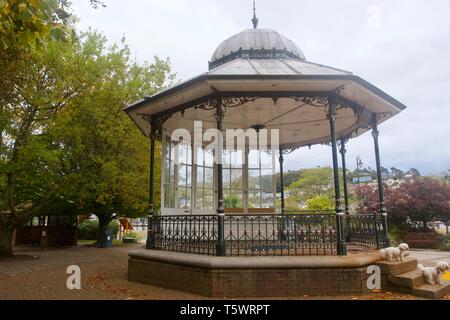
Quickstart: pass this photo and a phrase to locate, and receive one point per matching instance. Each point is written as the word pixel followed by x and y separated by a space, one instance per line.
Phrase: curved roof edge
pixel 207 76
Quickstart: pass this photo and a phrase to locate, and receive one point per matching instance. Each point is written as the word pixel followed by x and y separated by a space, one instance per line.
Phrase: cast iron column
pixel 281 180
pixel 341 245
pixel 150 243
pixel 343 151
pixel 382 206
pixel 220 248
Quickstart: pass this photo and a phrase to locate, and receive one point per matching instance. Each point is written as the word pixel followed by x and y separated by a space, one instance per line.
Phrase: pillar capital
pixel 342 148
pixel 281 156
pixel 375 133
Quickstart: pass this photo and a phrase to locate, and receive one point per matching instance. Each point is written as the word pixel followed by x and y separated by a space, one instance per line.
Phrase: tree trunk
pixel 103 236
pixel 6 233
pixel 425 225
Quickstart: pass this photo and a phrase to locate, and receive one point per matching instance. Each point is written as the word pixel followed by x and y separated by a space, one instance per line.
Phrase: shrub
pixel 232 202
pixel 131 235
pixel 445 243
pixel 88 229
pixel 320 203
pixel 114 225
pixel 396 234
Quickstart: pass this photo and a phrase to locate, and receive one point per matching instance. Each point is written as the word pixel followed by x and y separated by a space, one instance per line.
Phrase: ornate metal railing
pixel 365 230
pixel 182 233
pixel 288 234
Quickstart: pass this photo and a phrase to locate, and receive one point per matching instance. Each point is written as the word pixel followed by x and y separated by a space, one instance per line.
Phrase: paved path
pixel 430 257
pixel 103 273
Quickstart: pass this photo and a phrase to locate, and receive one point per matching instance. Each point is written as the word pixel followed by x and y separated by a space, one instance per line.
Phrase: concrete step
pixel 396 268
pixel 410 279
pixel 430 291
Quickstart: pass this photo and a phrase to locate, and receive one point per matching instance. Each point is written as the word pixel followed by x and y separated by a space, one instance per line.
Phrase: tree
pixel 421 199
pixel 413 172
pixel 311 183
pixel 25 26
pixel 320 203
pixel 54 74
pixel 367 196
pixel 104 157
pixel 397 174
pixel 384 172
pixel 288 178
pixel 232 201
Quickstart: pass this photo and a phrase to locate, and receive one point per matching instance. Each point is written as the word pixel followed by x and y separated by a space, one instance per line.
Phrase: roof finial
pixel 255 19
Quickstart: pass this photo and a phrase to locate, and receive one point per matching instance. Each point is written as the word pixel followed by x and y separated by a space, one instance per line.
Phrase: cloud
pixel 406 56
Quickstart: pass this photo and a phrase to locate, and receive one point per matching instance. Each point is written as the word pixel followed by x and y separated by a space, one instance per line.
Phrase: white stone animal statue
pixel 433 275
pixel 395 254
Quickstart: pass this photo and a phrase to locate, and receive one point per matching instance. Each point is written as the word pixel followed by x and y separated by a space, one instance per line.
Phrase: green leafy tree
pixel 311 183
pixel 53 76
pixel 44 67
pixel 232 202
pixel 104 157
pixel 397 173
pixel 320 203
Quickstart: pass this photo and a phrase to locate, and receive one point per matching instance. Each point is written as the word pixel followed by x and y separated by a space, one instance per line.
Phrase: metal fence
pixel 365 230
pixel 289 234
pixel 182 233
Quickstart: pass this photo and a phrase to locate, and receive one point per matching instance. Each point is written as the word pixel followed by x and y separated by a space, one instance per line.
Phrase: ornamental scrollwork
pixel 383 115
pixel 314 101
pixel 232 102
pixel 289 150
pixel 284 151
pixel 346 104
pixel 209 104
pixel 156 124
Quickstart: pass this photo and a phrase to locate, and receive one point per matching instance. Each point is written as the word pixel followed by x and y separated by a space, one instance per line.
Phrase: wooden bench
pixel 422 240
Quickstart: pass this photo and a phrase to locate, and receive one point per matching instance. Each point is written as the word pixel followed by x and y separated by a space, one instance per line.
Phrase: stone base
pixel 235 277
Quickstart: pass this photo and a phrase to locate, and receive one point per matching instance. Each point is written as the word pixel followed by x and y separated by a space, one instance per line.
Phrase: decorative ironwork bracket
pixel 286 151
pixel 209 104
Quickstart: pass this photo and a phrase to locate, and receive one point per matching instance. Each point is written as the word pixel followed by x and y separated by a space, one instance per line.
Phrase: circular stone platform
pixel 235 277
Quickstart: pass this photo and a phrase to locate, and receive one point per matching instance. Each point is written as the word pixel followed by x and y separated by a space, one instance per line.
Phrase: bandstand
pixel 218 197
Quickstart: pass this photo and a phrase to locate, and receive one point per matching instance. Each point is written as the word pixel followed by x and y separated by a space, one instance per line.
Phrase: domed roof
pixel 256 43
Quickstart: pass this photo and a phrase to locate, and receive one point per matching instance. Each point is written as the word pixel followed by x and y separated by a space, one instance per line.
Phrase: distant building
pixel 363 179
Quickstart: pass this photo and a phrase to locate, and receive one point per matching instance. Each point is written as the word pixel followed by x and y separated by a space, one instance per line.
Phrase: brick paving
pixel 36 274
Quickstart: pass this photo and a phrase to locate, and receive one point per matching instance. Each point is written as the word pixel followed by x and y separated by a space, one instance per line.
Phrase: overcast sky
pixel 401 46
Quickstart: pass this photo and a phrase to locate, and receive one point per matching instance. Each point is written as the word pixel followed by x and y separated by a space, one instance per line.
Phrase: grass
pixel 86 242
pixel 116 243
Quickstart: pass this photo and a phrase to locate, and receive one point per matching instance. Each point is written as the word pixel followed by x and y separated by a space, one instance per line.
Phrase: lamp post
pixel 358 165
